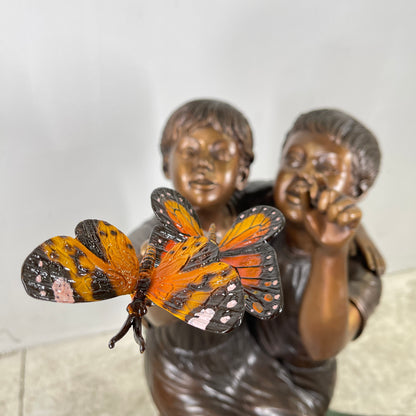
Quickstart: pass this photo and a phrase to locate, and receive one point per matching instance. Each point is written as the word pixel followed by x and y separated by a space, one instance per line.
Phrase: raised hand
pixel 331 218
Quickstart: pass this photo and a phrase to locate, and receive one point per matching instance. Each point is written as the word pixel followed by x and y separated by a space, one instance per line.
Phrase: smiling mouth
pixel 202 183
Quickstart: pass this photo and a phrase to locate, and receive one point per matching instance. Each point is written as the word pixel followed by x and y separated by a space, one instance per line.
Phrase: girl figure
pixel 285 366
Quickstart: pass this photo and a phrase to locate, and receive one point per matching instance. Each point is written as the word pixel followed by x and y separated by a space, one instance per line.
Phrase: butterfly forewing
pixel 251 226
pixel 117 251
pixel 175 212
pixel 192 284
pixel 63 269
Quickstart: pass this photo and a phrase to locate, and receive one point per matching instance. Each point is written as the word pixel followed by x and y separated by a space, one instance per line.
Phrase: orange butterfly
pixel 100 263
pixel 182 271
pixel 244 246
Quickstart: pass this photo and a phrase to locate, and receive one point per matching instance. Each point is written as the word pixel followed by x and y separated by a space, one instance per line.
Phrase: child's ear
pixel 166 167
pixel 363 187
pixel 242 178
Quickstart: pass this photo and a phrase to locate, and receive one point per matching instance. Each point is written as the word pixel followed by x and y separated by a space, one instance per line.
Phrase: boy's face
pixel 308 159
pixel 204 167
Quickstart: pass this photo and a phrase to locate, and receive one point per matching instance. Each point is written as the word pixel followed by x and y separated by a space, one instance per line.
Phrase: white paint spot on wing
pixel 225 319
pixel 231 287
pixel 231 303
pixel 202 318
pixel 62 291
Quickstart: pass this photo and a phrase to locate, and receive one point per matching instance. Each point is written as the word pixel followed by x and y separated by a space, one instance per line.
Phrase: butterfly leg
pixel 136 309
pixel 137 330
pixel 123 331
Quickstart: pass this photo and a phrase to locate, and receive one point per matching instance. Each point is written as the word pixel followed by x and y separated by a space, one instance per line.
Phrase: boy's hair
pixel 346 131
pixel 208 113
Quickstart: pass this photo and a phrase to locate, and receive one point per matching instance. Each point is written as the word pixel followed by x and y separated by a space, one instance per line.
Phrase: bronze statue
pixel 284 366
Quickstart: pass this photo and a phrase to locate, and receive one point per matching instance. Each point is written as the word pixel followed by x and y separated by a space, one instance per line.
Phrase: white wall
pixel 86 86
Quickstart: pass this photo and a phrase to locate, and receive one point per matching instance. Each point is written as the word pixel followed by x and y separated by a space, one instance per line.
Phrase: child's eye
pixel 188 152
pixel 223 152
pixel 293 159
pixel 328 166
pixel 222 155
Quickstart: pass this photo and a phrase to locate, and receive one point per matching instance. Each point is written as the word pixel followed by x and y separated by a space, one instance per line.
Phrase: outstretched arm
pixel 328 320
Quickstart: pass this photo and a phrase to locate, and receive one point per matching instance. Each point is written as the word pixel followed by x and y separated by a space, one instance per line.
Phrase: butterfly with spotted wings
pixel 245 246
pixel 185 274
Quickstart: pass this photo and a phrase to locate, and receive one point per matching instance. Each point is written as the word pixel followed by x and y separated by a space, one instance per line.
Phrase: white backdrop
pixel 86 86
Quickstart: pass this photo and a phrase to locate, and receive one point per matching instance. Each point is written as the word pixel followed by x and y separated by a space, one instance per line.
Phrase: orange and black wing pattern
pixel 175 212
pixel 100 263
pixel 177 218
pixel 195 286
pixel 245 246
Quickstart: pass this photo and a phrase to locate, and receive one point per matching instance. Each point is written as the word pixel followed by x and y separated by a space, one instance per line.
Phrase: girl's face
pixel 204 167
pixel 310 158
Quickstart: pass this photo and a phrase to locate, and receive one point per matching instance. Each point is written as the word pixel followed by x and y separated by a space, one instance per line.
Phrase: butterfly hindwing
pixel 245 247
pixel 191 283
pixel 260 277
pixel 64 269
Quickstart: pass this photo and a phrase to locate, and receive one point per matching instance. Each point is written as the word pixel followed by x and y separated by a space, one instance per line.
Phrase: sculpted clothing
pixel 258 369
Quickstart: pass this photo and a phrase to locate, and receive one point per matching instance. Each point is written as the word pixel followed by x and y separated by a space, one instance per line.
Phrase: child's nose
pixel 310 174
pixel 205 162
pixel 306 169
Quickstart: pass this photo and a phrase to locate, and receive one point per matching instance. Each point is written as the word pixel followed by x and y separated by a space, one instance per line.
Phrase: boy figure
pixel 284 366
pixel 328 163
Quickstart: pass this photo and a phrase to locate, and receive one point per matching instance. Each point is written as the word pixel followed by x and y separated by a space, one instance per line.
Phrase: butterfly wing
pixel 245 247
pixel 192 284
pixel 175 213
pixel 99 264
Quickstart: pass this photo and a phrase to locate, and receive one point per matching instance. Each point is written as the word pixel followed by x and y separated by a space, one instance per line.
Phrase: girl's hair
pixel 346 131
pixel 208 113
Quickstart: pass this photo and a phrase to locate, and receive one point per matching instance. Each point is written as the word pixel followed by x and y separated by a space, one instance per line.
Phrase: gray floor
pixel 83 377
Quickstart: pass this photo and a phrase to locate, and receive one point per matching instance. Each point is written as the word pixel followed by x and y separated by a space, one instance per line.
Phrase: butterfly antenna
pixel 212 233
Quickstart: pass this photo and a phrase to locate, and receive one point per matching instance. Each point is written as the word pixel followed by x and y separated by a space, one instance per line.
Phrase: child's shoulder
pixel 255 193
pixel 142 233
